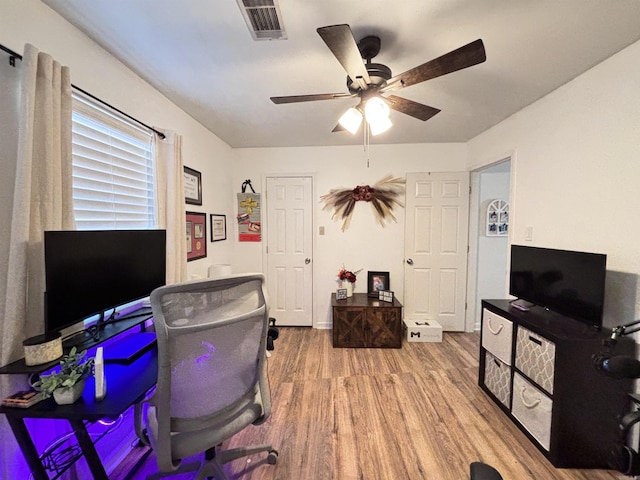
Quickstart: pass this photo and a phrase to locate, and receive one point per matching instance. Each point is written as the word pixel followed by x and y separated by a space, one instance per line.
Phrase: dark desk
pixel 109 331
pixel 126 386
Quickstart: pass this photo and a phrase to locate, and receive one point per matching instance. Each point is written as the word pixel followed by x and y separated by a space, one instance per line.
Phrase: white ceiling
pixel 200 54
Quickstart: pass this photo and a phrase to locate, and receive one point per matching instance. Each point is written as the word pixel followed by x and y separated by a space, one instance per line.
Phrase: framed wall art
pixel 192 186
pixel 196 236
pixel 218 227
pixel 498 218
pixel 376 282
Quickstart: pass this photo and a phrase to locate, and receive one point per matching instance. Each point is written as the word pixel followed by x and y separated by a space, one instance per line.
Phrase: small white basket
pixel 42 349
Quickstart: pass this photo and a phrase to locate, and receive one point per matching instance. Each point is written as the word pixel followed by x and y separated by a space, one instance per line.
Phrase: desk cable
pixel 56 457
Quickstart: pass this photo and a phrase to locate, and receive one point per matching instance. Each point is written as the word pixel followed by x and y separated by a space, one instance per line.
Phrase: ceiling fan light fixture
pixel 369 81
pixel 380 125
pixel 351 120
pixel 376 109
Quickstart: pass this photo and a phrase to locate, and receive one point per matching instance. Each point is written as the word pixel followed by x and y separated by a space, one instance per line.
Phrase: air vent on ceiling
pixel 263 19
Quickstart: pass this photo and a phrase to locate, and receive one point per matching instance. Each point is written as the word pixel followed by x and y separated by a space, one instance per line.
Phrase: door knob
pixel 307 261
pixel 409 261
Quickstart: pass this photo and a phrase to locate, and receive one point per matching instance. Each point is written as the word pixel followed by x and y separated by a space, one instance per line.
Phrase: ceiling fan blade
pixel 310 98
pixel 466 56
pixel 411 108
pixel 340 41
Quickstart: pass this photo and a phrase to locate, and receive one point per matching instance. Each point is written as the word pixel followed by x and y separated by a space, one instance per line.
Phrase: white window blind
pixel 113 170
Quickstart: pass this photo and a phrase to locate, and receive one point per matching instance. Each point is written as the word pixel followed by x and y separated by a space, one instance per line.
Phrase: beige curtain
pixel 170 198
pixel 42 201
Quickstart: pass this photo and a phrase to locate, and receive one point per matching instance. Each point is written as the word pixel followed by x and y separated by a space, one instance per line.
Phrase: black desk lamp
pixel 618 366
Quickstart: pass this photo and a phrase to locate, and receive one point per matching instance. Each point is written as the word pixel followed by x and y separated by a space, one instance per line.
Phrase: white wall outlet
pixel 528 234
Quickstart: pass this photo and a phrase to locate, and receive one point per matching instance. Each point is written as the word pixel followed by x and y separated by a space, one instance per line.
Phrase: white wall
pixel 96 71
pixel 575 163
pixel 492 251
pixel 576 169
pixel 365 244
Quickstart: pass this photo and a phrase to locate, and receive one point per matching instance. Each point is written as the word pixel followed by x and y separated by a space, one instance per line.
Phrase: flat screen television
pixel 90 272
pixel 568 282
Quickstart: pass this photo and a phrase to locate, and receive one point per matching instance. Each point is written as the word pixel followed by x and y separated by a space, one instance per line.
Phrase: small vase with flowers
pixel 347 280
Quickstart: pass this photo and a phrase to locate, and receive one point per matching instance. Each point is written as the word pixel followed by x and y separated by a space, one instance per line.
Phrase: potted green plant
pixel 67 384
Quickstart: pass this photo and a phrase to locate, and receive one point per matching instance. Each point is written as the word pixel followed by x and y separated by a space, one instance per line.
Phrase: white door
pixel 435 268
pixel 289 250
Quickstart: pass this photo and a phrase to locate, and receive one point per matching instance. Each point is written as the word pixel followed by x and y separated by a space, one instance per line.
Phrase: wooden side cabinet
pixel 363 322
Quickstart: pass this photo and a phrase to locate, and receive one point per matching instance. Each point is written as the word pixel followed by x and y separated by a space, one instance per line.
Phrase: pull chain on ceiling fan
pixel 369 81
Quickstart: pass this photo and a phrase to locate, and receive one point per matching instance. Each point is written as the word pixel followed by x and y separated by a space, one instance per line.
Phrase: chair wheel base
pixel 272 458
pixel 482 471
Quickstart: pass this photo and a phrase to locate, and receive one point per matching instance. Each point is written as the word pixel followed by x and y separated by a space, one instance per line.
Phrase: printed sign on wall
pixel 249 217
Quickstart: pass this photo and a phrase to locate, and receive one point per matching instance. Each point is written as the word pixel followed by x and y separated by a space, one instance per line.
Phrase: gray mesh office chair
pixel 211 372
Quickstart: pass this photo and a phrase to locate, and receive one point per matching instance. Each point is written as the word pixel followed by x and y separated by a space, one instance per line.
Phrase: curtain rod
pixel 13 55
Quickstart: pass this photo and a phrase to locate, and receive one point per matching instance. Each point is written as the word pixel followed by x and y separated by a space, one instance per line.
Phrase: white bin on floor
pixel 423 330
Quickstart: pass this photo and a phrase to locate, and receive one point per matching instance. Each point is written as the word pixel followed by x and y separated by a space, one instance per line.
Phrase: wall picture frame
pixel 196 235
pixel 192 186
pixel 377 281
pixel 218 227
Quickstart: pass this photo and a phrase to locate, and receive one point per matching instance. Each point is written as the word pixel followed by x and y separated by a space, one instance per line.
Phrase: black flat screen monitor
pixel 90 272
pixel 568 282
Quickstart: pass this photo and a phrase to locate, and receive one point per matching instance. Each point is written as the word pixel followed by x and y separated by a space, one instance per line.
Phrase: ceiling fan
pixel 369 81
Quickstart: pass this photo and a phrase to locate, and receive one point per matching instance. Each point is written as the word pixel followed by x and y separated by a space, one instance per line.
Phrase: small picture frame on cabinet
pixel 341 294
pixel 377 281
pixel 385 296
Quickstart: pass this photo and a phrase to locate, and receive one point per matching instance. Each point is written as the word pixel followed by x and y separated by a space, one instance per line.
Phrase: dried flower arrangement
pixel 383 196
pixel 347 275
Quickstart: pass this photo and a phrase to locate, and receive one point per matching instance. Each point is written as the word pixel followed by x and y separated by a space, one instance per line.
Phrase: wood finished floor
pixel 383 414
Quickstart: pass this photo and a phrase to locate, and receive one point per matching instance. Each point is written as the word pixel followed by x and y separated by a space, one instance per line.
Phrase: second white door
pixel 289 250
pixel 436 238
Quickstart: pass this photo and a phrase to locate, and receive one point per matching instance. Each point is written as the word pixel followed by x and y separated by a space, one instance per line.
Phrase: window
pixel 113 170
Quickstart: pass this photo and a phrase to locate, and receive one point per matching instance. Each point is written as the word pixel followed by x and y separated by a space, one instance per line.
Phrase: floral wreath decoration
pixel 383 197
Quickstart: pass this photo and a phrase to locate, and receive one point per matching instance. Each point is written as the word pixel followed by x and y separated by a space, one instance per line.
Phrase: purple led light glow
pixel 207 356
